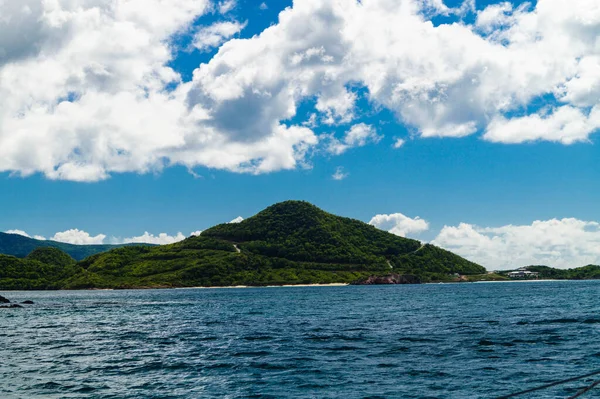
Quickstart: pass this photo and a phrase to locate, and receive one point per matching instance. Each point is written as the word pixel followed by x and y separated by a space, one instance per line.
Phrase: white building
pixel 522 273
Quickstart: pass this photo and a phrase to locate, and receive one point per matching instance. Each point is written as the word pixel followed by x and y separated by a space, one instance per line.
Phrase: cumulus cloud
pixel 18 232
pixel 398 143
pixel 566 125
pixel 238 219
pixel 480 72
pixel 563 243
pixel 399 224
pixel 339 174
pixel 160 239
pixel 24 234
pixel 359 135
pixel 81 237
pixel 216 34
pixel 494 16
pixel 108 101
pixel 78 237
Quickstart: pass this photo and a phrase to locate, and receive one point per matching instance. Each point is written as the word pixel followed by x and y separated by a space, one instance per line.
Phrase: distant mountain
pixel 21 246
pixel 292 242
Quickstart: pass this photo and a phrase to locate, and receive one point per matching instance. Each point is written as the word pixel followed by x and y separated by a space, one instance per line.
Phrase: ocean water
pixel 476 340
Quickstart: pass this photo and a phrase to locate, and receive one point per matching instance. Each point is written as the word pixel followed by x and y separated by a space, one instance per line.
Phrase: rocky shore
pixel 389 279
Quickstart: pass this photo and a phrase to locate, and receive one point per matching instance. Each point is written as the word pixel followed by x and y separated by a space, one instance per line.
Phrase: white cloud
pixel 339 173
pixel 562 243
pixel 263 6
pixel 359 135
pixel 101 107
pixel 18 232
pixel 238 219
pixel 160 239
pixel 226 6
pixel 216 34
pixel 24 234
pixel 565 124
pixel 398 143
pixel 321 48
pixel 78 237
pixel 108 102
pixel 494 16
pixel 399 224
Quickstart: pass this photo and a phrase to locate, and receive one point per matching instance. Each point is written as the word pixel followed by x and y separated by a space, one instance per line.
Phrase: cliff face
pixel 389 279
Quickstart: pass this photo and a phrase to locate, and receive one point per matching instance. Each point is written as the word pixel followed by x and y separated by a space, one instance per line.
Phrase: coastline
pixel 263 286
pixel 295 285
pixel 527 281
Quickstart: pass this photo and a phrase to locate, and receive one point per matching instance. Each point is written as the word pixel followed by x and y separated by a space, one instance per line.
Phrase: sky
pixel 468 124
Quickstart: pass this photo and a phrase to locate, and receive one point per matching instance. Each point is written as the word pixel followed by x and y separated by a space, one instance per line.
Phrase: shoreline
pixel 295 285
pixel 529 281
pixel 262 286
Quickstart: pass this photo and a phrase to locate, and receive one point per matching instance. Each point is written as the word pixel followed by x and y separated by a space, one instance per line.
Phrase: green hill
pixel 579 273
pixel 20 246
pixel 44 268
pixel 292 242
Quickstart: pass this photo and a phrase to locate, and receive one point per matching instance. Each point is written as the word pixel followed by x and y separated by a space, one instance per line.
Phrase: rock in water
pixel 389 279
pixel 3 300
pixel 11 306
pixel 27 302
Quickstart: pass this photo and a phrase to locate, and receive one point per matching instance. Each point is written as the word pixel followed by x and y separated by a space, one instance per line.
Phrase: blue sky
pixel 443 181
pixel 488 151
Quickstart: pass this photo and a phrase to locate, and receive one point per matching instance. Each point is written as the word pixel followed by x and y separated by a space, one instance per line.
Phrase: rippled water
pixel 411 341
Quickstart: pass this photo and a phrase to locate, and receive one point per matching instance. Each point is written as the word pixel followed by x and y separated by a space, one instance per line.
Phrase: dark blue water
pixel 412 341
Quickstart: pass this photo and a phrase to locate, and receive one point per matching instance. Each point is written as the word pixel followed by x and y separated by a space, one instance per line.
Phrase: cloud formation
pixel 81 237
pixel 226 6
pixel 160 239
pixel 18 232
pixel 398 143
pixel 214 35
pixel 339 174
pixel 22 233
pixel 399 224
pixel 108 101
pixel 358 135
pixel 562 243
pixel 78 237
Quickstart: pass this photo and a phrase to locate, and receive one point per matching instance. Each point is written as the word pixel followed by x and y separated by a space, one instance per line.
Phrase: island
pixel 292 242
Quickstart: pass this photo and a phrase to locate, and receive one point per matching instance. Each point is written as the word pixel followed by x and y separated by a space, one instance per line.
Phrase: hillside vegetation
pixel 44 268
pixel 292 242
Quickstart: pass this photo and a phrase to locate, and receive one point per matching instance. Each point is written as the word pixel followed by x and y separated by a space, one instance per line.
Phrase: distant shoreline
pixel 531 281
pixel 264 286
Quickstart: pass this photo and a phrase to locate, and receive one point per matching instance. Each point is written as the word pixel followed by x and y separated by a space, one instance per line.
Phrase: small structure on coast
pixel 523 273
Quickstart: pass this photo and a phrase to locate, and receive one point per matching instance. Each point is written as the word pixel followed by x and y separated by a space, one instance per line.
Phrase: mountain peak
pixel 301 232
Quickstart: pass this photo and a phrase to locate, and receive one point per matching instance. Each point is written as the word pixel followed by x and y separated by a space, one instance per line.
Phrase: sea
pixel 468 340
